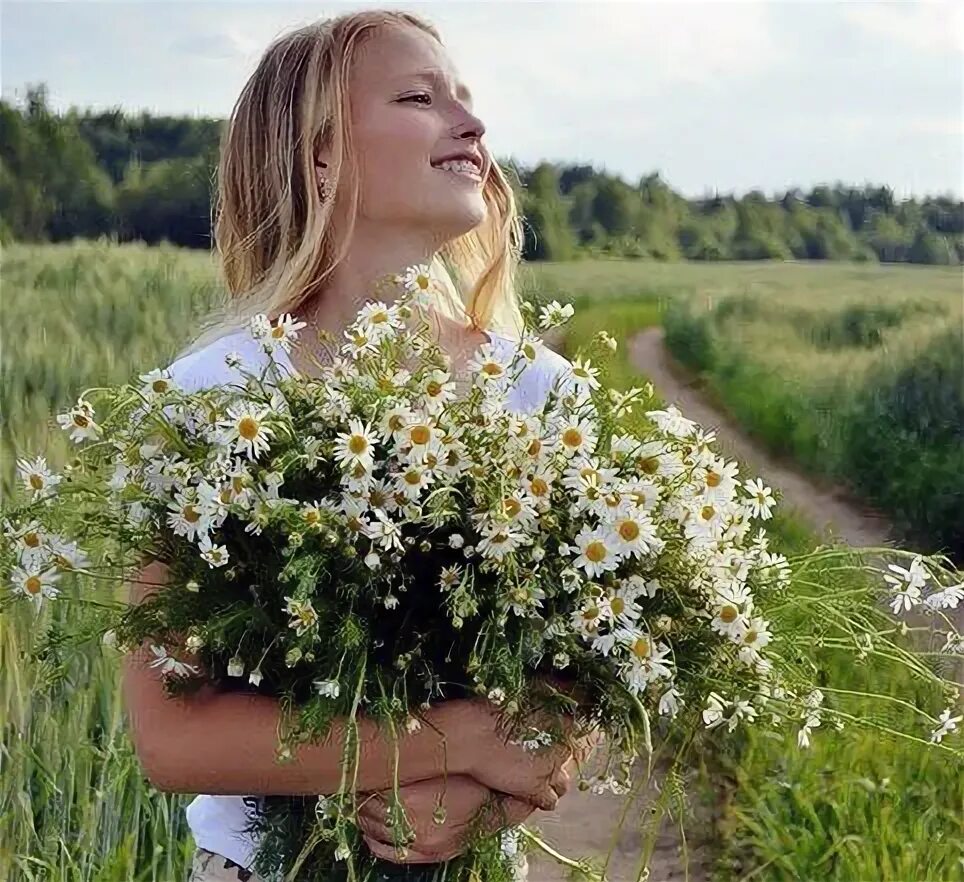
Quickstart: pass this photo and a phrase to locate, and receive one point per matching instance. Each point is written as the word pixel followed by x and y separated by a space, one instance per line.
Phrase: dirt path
pixel 585 823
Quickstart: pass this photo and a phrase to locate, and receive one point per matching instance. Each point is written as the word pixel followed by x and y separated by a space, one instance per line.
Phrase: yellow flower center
pixel 80 420
pixel 31 539
pixel 420 434
pixel 159 385
pixel 728 614
pixel 512 507
pixel 538 487
pixel 413 477
pixel 278 332
pixel 491 369
pixel 750 636
pixel 707 512
pixel 36 482
pixel 596 551
pixel 535 447
pixel 357 444
pixel 618 605
pixel 312 516
pixel 33 585
pixel 640 647
pixel 191 514
pixel 572 437
pixel 248 428
pixel 629 531
pixel 434 388
pixel 713 479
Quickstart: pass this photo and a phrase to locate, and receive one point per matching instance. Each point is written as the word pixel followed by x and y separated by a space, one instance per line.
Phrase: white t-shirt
pixel 216 821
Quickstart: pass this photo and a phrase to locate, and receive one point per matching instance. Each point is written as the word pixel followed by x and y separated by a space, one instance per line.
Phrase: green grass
pixel 73 802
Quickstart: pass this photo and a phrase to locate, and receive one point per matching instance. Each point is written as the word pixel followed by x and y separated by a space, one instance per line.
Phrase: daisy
pixel 716 706
pixel 245 428
pixel 394 420
pixel 948 598
pixel 634 532
pixel 583 375
pixel 597 551
pixel 761 500
pixel 385 532
pixel 67 556
pixel 413 480
pixel 381 320
pixel 669 702
pixel 591 616
pixel 38 478
pixel 186 516
pixel 303 615
pixel 622 601
pixel 915 576
pixel 752 638
pixel 577 436
pixel 947 724
pixel 417 279
pixel 327 688
pixel 498 540
pixel 672 422
pixel 168 664
pixel 450 577
pixel 33 581
pixel 437 390
pixel 555 314
pixel 418 437
pixel 486 367
pixel 360 340
pixel 79 421
pixel 284 333
pixel 156 383
pixel 214 555
pixel 355 447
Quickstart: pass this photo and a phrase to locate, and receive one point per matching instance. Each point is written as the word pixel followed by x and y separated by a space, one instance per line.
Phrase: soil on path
pixel 583 826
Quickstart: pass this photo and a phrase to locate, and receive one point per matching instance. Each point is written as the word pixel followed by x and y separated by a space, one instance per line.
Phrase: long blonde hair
pixel 275 243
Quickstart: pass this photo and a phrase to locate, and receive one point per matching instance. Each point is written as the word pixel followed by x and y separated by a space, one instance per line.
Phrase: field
pixel 73 803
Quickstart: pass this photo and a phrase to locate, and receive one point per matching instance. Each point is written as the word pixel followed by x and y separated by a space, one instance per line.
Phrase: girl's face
pixel 409 110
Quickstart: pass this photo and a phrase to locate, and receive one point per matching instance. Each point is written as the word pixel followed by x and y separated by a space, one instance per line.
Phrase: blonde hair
pixel 273 233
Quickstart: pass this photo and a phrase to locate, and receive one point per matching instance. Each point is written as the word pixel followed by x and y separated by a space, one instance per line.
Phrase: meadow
pixel 73 802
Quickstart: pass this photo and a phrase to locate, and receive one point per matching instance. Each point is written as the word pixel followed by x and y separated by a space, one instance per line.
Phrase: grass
pixel 74 805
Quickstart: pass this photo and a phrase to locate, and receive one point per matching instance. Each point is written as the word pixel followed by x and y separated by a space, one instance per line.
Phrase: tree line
pixel 127 176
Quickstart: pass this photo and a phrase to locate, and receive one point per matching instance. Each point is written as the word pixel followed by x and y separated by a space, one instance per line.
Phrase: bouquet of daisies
pixel 380 538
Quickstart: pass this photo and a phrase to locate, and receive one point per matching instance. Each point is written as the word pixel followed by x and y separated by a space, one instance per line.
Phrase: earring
pixel 322 180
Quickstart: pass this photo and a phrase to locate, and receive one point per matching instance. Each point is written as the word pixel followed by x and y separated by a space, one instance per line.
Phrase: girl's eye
pixel 419 95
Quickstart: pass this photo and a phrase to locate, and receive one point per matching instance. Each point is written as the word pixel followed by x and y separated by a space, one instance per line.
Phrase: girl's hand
pixel 463 799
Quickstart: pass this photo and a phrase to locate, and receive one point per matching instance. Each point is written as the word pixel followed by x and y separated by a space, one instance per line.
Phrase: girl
pixel 352 153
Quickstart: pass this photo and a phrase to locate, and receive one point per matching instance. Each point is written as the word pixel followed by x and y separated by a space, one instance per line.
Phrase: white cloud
pixel 926 26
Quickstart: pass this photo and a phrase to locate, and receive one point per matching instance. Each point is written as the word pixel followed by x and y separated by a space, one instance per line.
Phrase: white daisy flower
pixel 214 555
pixel 186 515
pixel 634 532
pixel 245 427
pixel 413 480
pixel 168 664
pixel 583 375
pixel 37 478
pixel 669 702
pixel 356 446
pixel 946 725
pixel 284 332
pixel 437 389
pixel 487 368
pixel 360 340
pixel 385 532
pixel 672 422
pixel 577 436
pixel 382 321
pixel 79 421
pixel 498 540
pixel 304 616
pixel 259 326
pixel 34 581
pixel 716 706
pixel 417 279
pixel 156 383
pixel 554 314
pixel 597 551
pixel 588 619
pixel 761 499
pixel 947 598
pixel 327 688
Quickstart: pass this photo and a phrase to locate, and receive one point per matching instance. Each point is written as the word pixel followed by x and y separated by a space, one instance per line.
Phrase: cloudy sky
pixel 720 96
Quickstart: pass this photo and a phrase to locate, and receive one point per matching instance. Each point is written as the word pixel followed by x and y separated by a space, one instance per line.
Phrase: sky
pixel 714 96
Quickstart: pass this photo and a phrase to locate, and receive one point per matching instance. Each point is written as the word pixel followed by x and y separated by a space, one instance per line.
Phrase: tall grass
pixel 74 804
